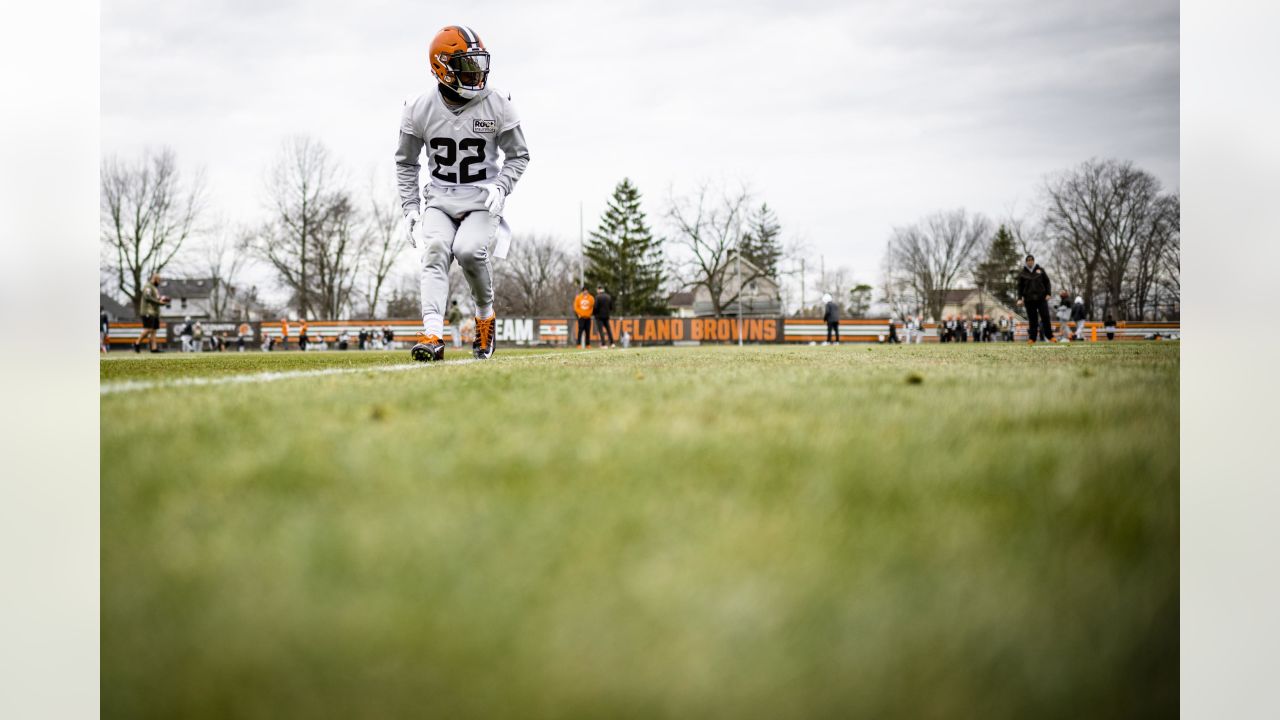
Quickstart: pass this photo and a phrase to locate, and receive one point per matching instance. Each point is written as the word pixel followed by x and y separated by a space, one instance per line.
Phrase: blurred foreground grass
pixel 771 532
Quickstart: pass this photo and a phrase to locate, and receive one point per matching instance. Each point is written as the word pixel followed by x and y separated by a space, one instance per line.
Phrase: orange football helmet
pixel 459 60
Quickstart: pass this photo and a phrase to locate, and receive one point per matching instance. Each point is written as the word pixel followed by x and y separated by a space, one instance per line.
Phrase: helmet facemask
pixel 467 72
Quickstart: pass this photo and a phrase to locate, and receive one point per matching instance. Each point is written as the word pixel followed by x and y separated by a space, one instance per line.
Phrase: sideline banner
pixel 562 331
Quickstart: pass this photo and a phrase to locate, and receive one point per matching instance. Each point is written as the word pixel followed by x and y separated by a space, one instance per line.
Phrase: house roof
pixel 680 299
pixel 186 287
pixel 958 297
pixel 114 309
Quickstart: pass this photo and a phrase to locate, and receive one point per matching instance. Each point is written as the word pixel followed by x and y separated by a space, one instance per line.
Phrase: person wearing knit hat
pixel 831 314
pixel 1078 316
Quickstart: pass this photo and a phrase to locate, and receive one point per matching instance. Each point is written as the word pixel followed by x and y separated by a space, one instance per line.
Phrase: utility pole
pixel 802 305
pixel 740 289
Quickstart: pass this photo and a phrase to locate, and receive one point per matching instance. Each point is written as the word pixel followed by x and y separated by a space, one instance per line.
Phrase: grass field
pixel 772 532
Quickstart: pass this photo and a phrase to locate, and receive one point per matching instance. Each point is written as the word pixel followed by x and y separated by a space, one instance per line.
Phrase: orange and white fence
pixel 642 330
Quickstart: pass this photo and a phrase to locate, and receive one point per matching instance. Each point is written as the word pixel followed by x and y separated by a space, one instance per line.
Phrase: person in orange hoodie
pixel 284 333
pixel 584 303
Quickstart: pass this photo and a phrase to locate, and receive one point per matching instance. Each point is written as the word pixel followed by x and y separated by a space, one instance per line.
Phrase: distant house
pixel 115 311
pixel 187 297
pixel 761 297
pixel 680 304
pixel 972 302
pixel 197 297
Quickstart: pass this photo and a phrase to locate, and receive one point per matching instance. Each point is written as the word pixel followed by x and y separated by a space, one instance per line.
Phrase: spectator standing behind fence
pixel 185 333
pixel 893 331
pixel 197 336
pixel 1034 289
pixel 388 337
pixel 302 336
pixel 284 333
pixel 601 312
pixel 104 328
pixel 243 334
pixel 1109 324
pixel 583 306
pixel 831 315
pixel 1078 317
pixel 455 323
pixel 1064 317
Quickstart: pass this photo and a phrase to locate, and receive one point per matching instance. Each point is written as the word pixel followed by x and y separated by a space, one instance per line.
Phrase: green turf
pixel 129 366
pixel 779 532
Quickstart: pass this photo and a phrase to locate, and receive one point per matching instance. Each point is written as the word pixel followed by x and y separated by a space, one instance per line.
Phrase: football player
pixel 462 124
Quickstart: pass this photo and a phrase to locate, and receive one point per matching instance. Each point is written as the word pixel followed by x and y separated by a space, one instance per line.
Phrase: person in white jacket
pixel 1064 317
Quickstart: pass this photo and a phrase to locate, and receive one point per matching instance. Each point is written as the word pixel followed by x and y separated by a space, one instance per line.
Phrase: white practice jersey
pixel 462 147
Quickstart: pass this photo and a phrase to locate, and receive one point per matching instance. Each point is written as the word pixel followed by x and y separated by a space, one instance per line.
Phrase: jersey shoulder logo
pixel 484 126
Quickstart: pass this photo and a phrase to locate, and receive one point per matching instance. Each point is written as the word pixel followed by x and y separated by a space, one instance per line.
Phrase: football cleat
pixel 459 60
pixel 483 347
pixel 429 349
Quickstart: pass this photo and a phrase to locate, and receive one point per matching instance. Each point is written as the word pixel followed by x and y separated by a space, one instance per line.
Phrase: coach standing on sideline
pixel 1034 290
pixel 602 311
pixel 152 301
pixel 583 306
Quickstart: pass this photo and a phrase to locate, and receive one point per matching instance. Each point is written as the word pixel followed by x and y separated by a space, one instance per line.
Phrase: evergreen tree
pixel 623 255
pixel 859 300
pixel 997 273
pixel 762 244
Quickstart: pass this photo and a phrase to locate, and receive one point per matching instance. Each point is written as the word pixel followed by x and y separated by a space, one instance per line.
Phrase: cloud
pixel 848 118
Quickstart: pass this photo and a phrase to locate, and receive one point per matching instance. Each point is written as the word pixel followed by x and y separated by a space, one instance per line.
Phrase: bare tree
pixel 537 278
pixel 898 292
pixel 1109 225
pixel 148 212
pixel 934 254
pixel 388 239
pixel 709 228
pixel 1157 245
pixel 839 282
pixel 1137 219
pixel 300 188
pixel 1082 206
pixel 1170 274
pixel 223 259
pixel 337 252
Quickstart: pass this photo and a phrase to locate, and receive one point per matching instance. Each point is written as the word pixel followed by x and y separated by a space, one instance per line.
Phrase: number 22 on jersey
pixel 445 154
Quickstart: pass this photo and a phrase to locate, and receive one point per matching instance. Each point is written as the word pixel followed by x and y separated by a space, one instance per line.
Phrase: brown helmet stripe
pixel 469 35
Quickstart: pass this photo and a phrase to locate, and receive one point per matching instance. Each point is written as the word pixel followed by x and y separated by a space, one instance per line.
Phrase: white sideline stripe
pixel 125 386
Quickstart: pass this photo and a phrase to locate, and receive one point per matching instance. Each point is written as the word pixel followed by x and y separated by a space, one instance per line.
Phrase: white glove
pixel 412 220
pixel 497 197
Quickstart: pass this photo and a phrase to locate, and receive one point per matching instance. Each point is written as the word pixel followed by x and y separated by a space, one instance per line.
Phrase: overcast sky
pixel 847 117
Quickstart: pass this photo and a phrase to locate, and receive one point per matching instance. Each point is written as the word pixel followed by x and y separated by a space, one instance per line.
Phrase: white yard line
pixel 125 386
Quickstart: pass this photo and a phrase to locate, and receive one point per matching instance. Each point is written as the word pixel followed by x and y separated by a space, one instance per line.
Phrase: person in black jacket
pixel 601 312
pixel 831 315
pixel 1079 317
pixel 1034 290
